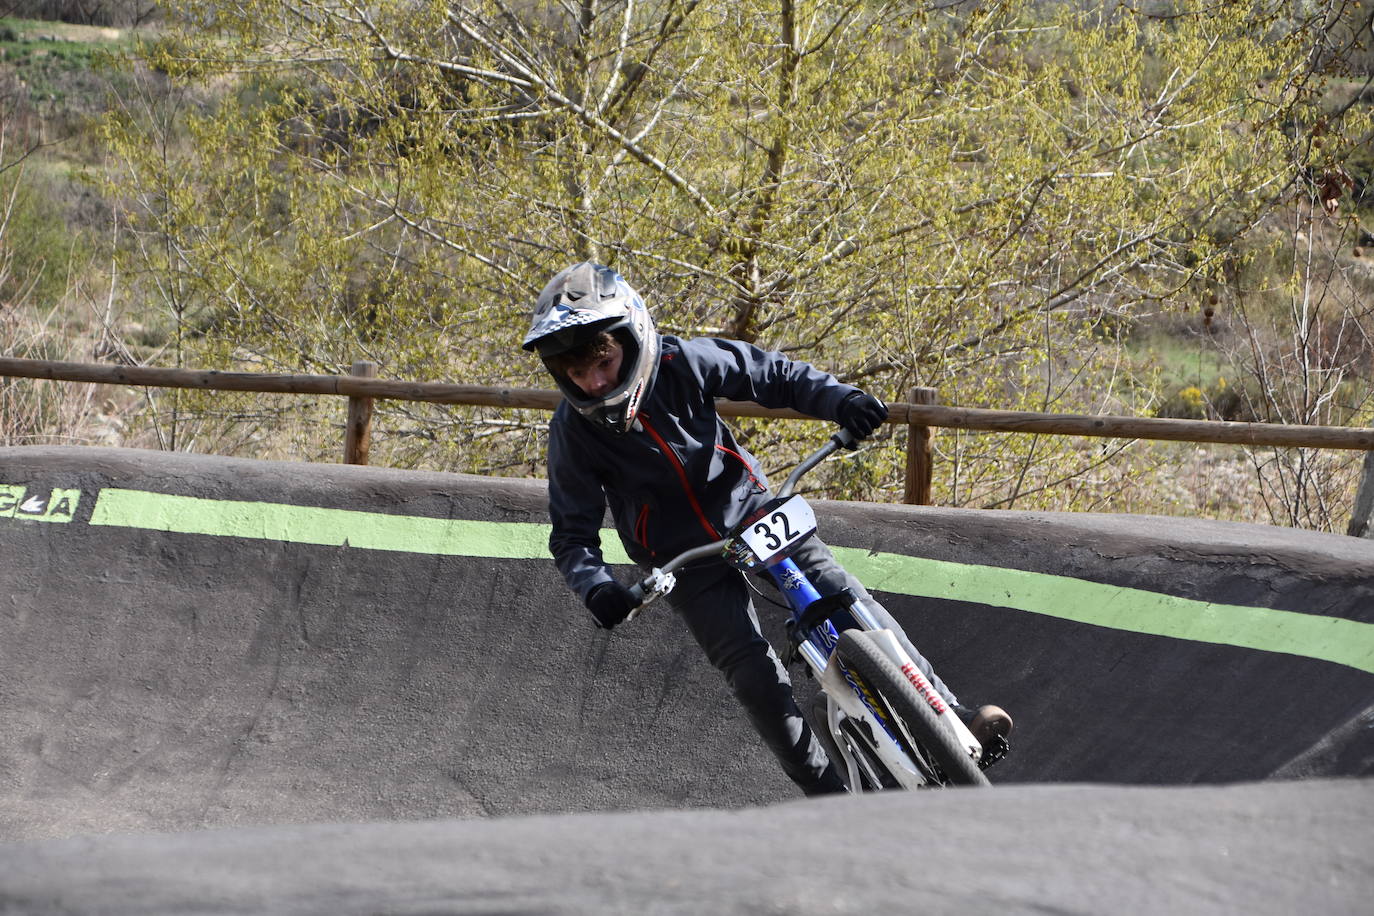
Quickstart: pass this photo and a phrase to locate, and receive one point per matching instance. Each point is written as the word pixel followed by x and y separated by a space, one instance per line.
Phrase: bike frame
pixel 846 698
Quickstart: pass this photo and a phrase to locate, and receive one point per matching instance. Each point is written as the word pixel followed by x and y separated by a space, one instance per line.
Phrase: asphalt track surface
pixel 235 686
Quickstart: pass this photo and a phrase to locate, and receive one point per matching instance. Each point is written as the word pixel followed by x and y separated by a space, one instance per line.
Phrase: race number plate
pixel 783 527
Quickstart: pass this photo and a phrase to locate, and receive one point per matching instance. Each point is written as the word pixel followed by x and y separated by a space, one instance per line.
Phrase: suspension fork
pixel 800 593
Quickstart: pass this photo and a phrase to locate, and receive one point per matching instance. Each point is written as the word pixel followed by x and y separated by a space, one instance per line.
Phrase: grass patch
pixel 60 68
pixel 1192 377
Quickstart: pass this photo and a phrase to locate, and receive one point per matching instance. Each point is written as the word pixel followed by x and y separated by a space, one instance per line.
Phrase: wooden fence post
pixel 918 453
pixel 1360 526
pixel 358 434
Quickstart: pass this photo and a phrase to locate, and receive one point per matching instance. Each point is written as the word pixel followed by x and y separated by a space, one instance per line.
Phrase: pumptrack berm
pixel 249 686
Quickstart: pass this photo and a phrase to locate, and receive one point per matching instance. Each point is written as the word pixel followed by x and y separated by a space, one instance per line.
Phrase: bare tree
pixel 975 199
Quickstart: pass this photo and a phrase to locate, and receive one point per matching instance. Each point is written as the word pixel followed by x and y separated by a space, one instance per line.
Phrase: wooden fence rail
pixel 918 415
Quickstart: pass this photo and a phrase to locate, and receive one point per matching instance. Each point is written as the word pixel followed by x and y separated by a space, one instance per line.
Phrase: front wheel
pixel 932 745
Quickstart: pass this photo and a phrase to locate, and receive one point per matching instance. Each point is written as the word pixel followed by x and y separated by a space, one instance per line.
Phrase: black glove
pixel 610 603
pixel 861 413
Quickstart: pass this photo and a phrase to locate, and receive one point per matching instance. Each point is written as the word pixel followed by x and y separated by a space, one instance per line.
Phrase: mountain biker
pixel 637 429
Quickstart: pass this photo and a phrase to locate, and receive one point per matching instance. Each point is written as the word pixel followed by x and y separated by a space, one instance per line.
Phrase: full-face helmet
pixel 575 307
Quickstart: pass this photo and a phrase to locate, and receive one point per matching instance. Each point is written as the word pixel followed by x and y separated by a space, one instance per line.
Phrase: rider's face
pixel 599 378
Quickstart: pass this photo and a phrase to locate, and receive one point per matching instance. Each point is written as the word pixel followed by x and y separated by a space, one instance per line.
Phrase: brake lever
pixel 654 586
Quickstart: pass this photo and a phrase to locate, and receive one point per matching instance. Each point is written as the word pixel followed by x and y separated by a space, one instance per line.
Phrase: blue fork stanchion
pixel 800 593
pixel 795 587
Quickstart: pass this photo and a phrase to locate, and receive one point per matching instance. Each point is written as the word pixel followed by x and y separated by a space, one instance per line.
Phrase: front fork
pixel 845 697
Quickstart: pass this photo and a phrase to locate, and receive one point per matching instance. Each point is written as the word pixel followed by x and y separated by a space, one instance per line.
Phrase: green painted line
pixel 1332 639
pixel 329 527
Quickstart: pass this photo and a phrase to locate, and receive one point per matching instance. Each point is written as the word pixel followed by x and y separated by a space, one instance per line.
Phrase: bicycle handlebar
pixel 840 439
pixel 651 586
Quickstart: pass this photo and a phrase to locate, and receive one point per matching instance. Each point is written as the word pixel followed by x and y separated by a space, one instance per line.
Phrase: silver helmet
pixel 578 304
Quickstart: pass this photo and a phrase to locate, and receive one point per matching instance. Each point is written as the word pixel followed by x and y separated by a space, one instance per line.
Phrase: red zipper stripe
pixel 740 458
pixel 642 526
pixel 681 476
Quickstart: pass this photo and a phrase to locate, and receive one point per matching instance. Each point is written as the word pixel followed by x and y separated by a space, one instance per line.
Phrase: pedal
pixel 994 751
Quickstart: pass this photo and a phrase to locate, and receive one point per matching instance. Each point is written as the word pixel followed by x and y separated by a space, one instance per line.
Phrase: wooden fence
pixel 919 414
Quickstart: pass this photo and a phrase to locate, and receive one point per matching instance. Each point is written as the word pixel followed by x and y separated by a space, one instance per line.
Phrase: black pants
pixel 716 604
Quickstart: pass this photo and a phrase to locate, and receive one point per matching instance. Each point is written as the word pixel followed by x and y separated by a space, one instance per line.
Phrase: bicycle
pixel 884 724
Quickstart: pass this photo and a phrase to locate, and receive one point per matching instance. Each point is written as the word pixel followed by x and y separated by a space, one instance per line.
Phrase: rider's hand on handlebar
pixel 861 413
pixel 610 603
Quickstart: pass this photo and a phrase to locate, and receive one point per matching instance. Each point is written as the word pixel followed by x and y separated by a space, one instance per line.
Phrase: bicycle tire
pixel 859 652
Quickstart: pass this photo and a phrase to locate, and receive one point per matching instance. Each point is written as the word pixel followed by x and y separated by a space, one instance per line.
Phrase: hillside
pixel 1276 330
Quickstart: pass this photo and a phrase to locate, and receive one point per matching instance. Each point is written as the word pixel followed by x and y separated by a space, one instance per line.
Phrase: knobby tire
pixel 859 652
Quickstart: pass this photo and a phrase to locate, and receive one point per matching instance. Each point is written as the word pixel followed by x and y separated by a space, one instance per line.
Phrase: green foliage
pixel 38 249
pixel 57 74
pixel 980 200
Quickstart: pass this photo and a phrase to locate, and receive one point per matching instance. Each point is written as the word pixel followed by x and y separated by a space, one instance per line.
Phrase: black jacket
pixel 678 479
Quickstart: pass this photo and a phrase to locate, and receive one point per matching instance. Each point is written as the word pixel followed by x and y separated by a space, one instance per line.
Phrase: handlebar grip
pixel 844 438
pixel 637 592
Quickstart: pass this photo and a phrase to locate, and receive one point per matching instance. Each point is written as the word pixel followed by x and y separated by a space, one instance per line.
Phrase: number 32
pixel 771 537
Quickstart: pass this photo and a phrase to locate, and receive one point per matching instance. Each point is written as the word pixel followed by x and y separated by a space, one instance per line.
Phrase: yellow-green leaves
pixel 960 197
